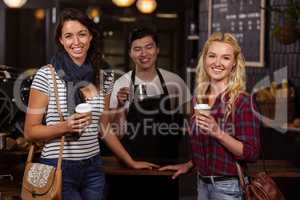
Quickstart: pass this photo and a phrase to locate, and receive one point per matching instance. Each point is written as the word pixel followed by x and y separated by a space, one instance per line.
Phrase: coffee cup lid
pixel 202 107
pixel 83 108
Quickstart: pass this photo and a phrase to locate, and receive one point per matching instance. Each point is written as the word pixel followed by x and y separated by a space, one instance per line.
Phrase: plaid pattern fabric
pixel 211 157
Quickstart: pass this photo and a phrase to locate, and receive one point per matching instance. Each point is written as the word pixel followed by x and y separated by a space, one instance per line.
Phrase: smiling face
pixel 75 38
pixel 219 62
pixel 144 53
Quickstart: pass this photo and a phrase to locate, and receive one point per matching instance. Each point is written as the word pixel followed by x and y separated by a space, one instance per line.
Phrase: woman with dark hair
pixel 77 65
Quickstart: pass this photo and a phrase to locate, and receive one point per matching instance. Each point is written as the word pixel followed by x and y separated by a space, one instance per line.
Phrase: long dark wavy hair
pixel 94 52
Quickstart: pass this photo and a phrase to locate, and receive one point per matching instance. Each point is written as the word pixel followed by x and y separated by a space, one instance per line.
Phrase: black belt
pixel 211 179
pixel 89 161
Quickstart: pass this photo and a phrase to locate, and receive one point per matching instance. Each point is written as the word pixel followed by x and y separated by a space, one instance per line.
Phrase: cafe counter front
pixel 120 178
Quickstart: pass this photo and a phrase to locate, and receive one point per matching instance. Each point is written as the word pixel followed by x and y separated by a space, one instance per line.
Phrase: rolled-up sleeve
pixel 247 129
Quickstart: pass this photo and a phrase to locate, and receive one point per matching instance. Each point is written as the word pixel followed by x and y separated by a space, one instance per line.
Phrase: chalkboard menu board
pixel 246 20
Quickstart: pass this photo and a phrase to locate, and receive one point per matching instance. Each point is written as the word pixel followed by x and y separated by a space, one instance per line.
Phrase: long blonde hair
pixel 237 79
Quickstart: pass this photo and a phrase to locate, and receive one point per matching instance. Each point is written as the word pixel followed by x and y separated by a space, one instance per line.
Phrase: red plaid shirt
pixel 211 157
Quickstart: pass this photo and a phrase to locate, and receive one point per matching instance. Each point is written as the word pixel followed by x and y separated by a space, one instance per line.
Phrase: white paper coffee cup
pixel 83 108
pixel 202 108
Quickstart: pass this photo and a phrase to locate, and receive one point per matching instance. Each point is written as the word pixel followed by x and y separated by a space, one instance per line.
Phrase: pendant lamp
pixel 123 3
pixel 146 6
pixel 15 3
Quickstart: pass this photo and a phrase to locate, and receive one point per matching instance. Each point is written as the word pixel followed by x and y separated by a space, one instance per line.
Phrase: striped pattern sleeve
pixel 108 77
pixel 41 81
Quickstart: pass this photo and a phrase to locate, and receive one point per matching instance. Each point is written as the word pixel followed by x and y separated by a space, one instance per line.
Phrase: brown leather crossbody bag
pixel 41 181
pixel 260 187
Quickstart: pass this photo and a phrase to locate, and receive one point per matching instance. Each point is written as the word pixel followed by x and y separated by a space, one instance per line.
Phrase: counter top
pixel 275 168
pixel 111 166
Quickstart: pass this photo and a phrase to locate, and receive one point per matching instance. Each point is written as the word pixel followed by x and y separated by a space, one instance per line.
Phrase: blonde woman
pixel 229 133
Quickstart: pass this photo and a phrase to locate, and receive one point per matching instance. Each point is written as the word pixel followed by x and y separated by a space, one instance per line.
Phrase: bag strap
pixel 62 140
pixel 241 175
pixel 238 166
pixel 30 154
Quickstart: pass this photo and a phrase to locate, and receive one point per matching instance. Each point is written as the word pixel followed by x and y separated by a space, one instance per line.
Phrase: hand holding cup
pixel 206 121
pixel 202 114
pixel 202 109
pixel 140 92
pixel 81 118
pixel 123 96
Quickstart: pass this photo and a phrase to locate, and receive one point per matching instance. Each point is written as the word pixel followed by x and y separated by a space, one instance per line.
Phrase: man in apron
pixel 149 102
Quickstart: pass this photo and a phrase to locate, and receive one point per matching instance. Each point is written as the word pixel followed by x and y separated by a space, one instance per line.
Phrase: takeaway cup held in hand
pixel 140 91
pixel 84 108
pixel 202 108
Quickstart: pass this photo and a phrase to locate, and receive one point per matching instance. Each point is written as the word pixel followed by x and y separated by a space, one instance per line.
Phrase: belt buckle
pixel 207 179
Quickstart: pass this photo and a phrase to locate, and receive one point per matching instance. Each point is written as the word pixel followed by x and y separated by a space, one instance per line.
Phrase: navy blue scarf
pixel 75 77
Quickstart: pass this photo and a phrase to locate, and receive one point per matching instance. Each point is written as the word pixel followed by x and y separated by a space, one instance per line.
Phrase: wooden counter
pixel 120 176
pixel 116 171
pixel 112 166
pixel 275 168
pixel 122 182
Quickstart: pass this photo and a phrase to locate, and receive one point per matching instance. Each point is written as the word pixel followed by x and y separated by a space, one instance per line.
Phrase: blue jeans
pixel 221 190
pixel 82 180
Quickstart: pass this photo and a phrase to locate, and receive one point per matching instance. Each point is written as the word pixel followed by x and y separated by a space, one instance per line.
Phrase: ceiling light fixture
pixel 123 3
pixel 146 6
pixel 15 3
pixel 94 13
pixel 39 14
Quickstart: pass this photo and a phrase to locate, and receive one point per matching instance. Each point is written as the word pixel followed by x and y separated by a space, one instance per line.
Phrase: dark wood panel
pixel 2 35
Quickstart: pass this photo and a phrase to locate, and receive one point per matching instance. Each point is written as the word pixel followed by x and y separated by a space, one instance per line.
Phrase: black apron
pixel 148 137
pixel 148 145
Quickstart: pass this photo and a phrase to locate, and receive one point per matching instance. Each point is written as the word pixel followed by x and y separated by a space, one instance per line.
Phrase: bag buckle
pixel 34 194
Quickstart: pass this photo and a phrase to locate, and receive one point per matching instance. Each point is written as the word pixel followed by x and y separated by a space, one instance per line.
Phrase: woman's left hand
pixel 143 165
pixel 208 125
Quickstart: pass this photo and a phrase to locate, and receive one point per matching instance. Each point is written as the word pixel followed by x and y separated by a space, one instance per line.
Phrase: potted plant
pixel 287 25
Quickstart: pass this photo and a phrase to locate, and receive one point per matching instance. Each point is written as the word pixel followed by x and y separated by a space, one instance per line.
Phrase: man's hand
pixel 123 96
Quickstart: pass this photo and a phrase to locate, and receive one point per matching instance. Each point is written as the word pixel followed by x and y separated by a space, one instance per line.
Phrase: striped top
pixel 87 145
